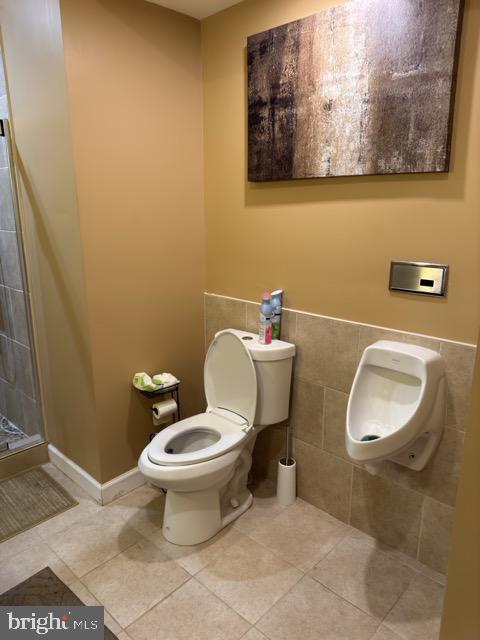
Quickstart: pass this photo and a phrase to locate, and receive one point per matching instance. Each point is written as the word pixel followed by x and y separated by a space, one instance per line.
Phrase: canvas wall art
pixel 366 87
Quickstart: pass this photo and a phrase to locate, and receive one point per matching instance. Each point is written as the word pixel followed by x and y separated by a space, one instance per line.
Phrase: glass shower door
pixel 20 412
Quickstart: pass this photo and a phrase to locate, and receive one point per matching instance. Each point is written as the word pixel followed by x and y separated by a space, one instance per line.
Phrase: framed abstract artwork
pixel 363 88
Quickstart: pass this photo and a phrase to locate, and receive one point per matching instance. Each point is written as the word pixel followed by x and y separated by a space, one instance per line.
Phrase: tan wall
pixel 32 42
pixel 461 619
pixel 329 242
pixel 135 88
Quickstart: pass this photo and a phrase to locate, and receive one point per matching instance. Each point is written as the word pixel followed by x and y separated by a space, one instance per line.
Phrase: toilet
pixel 203 462
pixel 396 408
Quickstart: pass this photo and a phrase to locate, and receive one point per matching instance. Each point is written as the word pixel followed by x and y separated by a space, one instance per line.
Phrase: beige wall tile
pixel 289 322
pixel 388 512
pixel 399 556
pixel 269 448
pixel 249 578
pixel 310 612
pixel 459 363
pixel 365 576
pixel 369 335
pixel 437 523
pixel 142 566
pixel 327 351
pixel 439 479
pixel 335 417
pixel 323 479
pixel 417 614
pixel 307 412
pixel 301 534
pixel 223 313
pixel 192 612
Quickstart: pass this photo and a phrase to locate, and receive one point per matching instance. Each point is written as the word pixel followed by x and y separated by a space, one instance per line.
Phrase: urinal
pixel 396 409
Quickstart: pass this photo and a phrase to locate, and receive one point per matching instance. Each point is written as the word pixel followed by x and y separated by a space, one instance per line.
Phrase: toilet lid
pixel 229 376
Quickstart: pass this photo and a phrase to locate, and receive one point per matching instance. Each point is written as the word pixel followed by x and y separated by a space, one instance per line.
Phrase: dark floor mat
pixel 44 589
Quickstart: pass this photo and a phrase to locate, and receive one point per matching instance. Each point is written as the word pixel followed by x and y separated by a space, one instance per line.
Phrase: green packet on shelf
pixel 143 382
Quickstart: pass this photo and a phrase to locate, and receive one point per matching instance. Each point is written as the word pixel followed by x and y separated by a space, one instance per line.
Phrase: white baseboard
pixel 120 485
pixel 101 493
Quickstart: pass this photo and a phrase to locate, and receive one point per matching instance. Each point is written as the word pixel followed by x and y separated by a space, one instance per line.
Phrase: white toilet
pixel 396 408
pixel 203 462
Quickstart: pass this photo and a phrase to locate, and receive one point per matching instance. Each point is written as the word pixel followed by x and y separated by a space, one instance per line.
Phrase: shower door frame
pixel 5 132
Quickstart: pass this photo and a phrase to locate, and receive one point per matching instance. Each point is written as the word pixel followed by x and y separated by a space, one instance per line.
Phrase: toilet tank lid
pixel 277 350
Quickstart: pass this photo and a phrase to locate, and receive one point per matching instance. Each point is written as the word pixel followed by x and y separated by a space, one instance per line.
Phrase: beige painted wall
pixel 135 89
pixel 461 618
pixel 329 242
pixel 32 42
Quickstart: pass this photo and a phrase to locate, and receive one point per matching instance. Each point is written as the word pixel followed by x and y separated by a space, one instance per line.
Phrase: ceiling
pixel 197 8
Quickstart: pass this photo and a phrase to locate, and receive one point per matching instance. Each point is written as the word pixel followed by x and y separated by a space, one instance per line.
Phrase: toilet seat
pixel 227 432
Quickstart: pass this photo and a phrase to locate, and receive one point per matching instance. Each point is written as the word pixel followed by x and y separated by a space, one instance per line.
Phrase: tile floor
pixel 290 573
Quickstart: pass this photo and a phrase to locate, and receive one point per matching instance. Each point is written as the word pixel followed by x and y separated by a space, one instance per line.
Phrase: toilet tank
pixel 273 367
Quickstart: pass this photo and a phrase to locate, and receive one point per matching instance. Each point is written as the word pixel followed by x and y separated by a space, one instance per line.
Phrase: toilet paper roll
pixel 163 410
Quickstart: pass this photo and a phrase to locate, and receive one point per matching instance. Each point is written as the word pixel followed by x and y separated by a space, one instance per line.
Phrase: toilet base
pixel 193 518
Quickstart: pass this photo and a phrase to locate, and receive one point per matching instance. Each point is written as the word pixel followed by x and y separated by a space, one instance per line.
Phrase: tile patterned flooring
pixel 293 573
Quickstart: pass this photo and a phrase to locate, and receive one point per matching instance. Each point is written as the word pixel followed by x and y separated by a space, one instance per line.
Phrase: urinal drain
pixel 412 456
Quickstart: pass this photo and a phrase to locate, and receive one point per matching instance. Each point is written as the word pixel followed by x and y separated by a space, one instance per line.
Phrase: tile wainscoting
pixel 408 510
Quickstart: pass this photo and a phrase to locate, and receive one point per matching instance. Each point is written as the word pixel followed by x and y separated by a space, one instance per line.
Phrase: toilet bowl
pixel 203 461
pixel 396 407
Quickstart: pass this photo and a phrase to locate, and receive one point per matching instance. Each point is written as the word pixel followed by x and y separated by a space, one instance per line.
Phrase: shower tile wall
pixel 408 510
pixel 18 389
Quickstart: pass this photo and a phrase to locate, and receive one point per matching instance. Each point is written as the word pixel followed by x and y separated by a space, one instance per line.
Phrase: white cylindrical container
pixel 286 482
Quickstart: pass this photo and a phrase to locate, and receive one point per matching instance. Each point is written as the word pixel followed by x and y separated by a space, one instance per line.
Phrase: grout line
pixel 99 602
pixel 365 613
pixel 351 498
pixel 303 575
pixel 398 599
pixel 420 531
pixel 190 577
pixel 324 411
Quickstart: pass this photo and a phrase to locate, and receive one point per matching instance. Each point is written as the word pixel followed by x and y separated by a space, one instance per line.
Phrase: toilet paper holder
pixel 174 392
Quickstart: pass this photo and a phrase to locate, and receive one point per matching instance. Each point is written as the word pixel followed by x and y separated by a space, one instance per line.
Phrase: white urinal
pixel 396 408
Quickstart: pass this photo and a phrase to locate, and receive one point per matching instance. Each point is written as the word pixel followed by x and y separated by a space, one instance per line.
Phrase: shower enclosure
pixel 20 412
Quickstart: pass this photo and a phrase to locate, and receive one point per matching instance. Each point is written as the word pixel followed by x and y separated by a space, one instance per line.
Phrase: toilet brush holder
pixel 286 481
